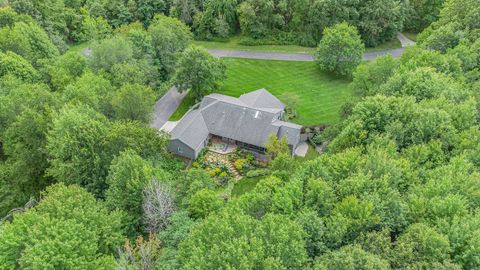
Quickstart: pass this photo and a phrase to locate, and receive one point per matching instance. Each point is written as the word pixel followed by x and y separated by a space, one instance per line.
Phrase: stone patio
pixel 219 146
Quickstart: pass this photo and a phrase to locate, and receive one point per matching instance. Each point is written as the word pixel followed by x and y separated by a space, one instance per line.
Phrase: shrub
pixel 257 173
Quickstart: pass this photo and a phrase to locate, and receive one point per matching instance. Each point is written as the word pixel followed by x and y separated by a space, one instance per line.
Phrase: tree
pixel 218 19
pixel 66 69
pixel 421 13
pixel 24 143
pixel 341 50
pixel 350 258
pixel 260 19
pixel 13 64
pixel 75 148
pixel 158 206
pixel 420 244
pixel 68 229
pixel 368 77
pixel 50 14
pixel 128 175
pixel 91 28
pixel 423 83
pixel 380 20
pixel 133 102
pixel 314 228
pixel 169 38
pixel 198 72
pixel 203 203
pixel 92 90
pixel 143 254
pixel 179 226
pixel 244 242
pixel 275 147
pixel 445 37
pixel 29 41
pixel 147 142
pixel 108 52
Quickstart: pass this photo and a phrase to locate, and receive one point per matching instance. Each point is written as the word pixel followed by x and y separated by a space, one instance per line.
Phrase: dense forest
pixel 85 183
pixel 259 21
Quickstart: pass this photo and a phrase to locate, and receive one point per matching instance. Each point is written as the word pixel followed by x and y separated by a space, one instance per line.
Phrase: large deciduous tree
pixel 75 148
pixel 68 229
pixel 169 38
pixel 341 50
pixel 198 72
pixel 133 102
pixel 128 175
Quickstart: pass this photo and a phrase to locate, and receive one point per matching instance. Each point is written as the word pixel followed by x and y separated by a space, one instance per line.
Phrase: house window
pixel 180 150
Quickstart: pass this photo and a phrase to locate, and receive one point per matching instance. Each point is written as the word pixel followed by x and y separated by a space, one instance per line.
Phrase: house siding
pixel 185 150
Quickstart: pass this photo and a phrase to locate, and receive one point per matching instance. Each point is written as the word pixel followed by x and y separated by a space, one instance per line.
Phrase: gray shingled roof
pixel 236 118
pixel 191 130
pixel 261 98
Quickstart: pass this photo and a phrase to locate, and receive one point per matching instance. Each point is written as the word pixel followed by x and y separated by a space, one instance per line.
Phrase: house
pixel 246 121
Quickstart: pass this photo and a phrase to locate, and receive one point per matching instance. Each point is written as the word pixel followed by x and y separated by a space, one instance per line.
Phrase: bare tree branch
pixel 158 205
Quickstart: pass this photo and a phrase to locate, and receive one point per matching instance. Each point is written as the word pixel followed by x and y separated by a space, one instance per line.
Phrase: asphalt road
pixel 293 56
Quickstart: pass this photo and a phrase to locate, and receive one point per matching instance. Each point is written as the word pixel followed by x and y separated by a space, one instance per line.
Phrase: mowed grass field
pixel 320 95
pixel 234 44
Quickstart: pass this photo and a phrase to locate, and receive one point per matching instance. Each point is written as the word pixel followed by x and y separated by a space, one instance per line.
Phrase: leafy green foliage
pixel 169 37
pixel 29 41
pixel 127 176
pixel 68 229
pixel 340 51
pixel 203 203
pixel 14 64
pixel 198 72
pixel 244 242
pixel 75 148
pixel 352 258
pixel 133 102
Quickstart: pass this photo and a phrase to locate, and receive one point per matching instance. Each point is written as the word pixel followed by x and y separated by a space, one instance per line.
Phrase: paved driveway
pixel 166 106
pixel 262 55
pixel 293 56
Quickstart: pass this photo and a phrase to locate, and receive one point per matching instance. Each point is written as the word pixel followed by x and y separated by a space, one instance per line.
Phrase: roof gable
pixel 261 98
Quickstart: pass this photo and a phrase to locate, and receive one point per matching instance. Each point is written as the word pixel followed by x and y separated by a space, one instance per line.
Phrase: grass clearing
pixel 234 44
pixel 80 47
pixel 245 185
pixel 320 95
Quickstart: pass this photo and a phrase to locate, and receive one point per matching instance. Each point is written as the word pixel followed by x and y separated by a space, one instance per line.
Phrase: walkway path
pixel 404 40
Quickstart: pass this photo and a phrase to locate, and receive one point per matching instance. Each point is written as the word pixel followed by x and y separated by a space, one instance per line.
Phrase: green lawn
pixel 245 185
pixel 234 44
pixel 79 47
pixel 320 95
